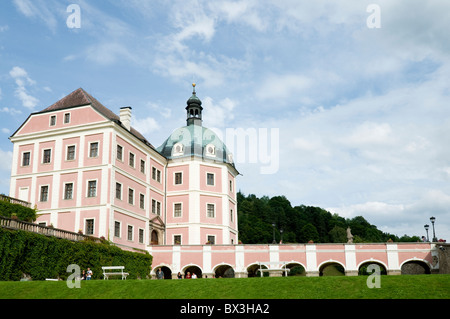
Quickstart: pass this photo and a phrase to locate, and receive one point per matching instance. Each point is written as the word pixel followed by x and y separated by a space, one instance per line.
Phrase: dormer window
pixel 210 150
pixel 178 149
pixel 230 158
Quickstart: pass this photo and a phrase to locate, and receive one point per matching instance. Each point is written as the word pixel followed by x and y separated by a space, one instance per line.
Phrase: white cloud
pixel 22 79
pixel 42 10
pixel 283 86
pixel 145 125
pixel 218 114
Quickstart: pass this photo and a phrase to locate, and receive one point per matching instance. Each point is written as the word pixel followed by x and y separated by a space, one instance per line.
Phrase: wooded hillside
pixel 301 224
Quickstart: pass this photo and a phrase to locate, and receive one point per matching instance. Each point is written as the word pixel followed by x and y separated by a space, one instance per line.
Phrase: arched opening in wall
pixel 295 269
pixel 331 269
pixel 253 271
pixel 415 267
pixel 154 238
pixel 193 270
pixel 224 271
pixel 167 272
pixel 362 270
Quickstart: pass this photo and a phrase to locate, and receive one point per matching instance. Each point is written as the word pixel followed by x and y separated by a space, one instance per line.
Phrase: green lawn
pixel 392 287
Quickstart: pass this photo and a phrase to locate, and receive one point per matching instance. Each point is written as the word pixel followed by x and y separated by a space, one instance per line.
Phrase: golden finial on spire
pixel 193 87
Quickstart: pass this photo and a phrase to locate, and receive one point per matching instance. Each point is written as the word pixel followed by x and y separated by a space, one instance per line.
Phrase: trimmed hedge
pixel 41 257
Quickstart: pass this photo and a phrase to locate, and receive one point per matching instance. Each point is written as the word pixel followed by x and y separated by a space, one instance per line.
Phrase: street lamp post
pixel 432 219
pixel 426 228
pixel 281 232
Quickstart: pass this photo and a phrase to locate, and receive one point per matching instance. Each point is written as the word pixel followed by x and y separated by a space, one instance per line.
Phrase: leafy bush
pixel 8 209
pixel 41 257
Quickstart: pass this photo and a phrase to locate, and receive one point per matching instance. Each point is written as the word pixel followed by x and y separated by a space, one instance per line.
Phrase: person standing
pixel 159 274
pixel 89 274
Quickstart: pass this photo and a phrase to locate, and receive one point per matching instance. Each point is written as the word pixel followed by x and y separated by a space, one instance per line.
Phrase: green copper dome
pixel 195 140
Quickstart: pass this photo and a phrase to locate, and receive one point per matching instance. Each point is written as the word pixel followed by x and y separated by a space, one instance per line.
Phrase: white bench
pixel 107 272
pixel 269 270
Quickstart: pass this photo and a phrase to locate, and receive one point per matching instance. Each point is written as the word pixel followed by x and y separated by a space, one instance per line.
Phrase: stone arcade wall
pixel 244 260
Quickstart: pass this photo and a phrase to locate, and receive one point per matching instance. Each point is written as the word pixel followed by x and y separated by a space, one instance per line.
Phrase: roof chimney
pixel 125 116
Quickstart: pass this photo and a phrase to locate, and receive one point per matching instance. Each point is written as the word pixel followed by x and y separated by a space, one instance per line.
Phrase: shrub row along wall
pixel 40 257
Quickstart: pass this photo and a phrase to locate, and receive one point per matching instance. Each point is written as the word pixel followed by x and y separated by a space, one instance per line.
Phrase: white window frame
pixel 117 147
pixel 50 120
pixel 140 206
pixel 40 193
pixel 214 179
pixel 214 210
pixel 43 155
pixel 132 232
pixel 208 153
pixel 64 118
pixel 64 190
pixel 121 191
pixel 141 241
pixel 134 159
pixel 87 188
pixel 22 158
pixel 74 153
pixel 120 228
pixel 85 225
pixel 128 196
pixel 175 178
pixel 176 235
pixel 181 211
pixel 98 149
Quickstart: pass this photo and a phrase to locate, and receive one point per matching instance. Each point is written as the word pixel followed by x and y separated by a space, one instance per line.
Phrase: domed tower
pixel 201 202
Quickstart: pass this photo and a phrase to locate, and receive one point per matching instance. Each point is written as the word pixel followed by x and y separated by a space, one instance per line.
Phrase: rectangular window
pixel 141 236
pixel 119 152
pixel 26 159
pixel 66 118
pixel 211 239
pixel 231 186
pixel 93 149
pixel 178 178
pixel 68 191
pixel 92 189
pixel 177 210
pixel 47 156
pixel 130 196
pixel 70 153
pixel 117 229
pixel 44 193
pixel 118 191
pixel 158 208
pixel 89 227
pixel 142 166
pixel 231 215
pixel 153 206
pixel 130 232
pixel 210 210
pixel 210 179
pixel 131 160
pixel 177 239
pixel 142 201
pixel 158 176
pixel 53 120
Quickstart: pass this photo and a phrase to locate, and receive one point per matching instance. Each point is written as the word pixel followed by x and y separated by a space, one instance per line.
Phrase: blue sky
pixel 357 118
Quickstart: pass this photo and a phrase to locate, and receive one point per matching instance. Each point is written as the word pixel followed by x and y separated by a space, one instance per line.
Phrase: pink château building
pixel 88 170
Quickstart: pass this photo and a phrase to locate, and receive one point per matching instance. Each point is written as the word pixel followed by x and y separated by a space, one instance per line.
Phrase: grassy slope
pixel 404 287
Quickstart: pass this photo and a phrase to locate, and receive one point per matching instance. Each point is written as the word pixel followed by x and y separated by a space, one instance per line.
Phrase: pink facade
pixel 87 170
pixel 245 260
